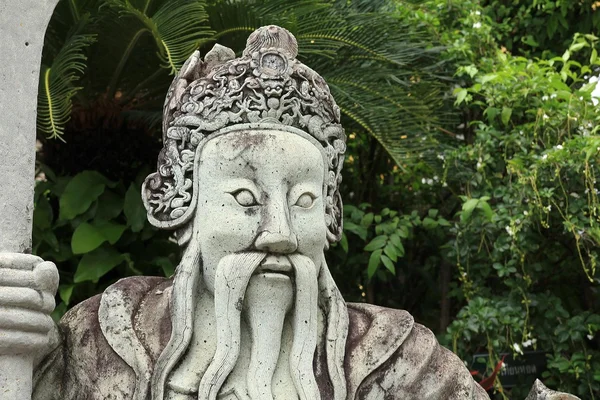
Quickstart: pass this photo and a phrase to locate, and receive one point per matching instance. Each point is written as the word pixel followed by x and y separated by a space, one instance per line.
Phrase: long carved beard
pixel 231 285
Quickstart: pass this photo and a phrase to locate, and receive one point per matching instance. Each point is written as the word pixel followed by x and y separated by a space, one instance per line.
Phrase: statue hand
pixel 27 288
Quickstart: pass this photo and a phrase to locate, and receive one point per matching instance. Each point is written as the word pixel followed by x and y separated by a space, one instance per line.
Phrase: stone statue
pixel 248 179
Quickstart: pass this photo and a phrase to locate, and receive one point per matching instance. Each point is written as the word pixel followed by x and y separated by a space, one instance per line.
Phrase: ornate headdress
pixel 265 88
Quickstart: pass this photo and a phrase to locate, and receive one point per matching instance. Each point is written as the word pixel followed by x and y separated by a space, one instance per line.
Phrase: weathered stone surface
pixel 541 392
pixel 22 29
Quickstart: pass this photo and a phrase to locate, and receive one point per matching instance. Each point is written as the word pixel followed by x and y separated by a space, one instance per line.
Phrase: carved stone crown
pixel 266 87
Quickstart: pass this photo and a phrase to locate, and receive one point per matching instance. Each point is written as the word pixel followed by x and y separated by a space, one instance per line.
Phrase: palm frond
pixel 402 128
pixel 381 71
pixel 57 85
pixel 178 27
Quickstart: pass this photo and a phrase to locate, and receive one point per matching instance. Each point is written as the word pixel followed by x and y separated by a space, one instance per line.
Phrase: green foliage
pixel 541 27
pixel 371 262
pixel 93 230
pixel 532 158
pixel 178 28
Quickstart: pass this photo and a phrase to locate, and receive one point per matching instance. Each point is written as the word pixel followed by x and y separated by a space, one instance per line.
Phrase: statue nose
pixel 275 235
pixel 275 242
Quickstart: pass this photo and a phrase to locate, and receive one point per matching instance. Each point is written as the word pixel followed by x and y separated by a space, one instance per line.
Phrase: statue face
pixel 260 190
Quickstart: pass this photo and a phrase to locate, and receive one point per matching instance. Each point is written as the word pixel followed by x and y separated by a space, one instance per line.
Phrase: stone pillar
pixel 22 28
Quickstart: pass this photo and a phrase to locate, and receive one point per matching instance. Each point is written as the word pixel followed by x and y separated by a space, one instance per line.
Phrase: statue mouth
pixel 275 264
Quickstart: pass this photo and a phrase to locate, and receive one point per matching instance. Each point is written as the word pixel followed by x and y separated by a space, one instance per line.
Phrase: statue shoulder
pixel 134 317
pixel 104 341
pixel 410 361
pixel 126 293
pixel 368 323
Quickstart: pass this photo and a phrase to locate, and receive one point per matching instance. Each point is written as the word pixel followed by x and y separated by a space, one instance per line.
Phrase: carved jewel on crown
pixel 266 86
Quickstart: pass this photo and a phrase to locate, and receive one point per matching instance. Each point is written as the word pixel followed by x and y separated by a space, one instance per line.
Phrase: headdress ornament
pixel 265 88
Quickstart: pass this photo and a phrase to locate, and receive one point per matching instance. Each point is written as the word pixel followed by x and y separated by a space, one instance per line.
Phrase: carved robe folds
pixel 388 356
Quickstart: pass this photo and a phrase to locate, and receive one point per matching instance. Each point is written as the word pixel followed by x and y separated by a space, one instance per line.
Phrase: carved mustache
pixel 275 263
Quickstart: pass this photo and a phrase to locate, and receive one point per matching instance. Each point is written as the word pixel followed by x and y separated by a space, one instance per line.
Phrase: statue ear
pixel 334 218
pixel 168 199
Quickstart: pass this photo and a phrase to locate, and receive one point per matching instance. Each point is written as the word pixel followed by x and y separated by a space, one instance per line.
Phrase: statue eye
pixel 306 200
pixel 245 198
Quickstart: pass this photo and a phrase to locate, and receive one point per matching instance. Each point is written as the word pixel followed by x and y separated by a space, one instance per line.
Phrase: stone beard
pixel 266 303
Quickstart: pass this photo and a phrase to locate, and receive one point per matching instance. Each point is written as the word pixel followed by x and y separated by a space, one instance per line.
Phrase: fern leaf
pixel 57 85
pixel 178 27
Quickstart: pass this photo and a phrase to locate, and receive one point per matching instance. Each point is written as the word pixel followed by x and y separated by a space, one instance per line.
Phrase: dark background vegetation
pixel 470 181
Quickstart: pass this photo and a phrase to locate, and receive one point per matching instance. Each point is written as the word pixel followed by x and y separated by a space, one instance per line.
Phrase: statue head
pixel 249 177
pixel 265 89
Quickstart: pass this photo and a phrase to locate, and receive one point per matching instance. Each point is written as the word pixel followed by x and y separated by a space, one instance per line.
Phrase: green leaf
pixel 487 210
pixel 62 252
pixel 432 212
pixel 594 56
pixel 388 264
pixel 577 46
pixel 429 223
pixel 49 237
pixel 344 242
pixel 395 240
pixel 88 237
pixel 110 206
pixel 461 95
pixel 402 231
pixel 134 209
pixel 374 261
pixel 471 70
pixel 166 264
pixel 111 231
pixel 491 113
pixel 80 193
pixel 467 209
pixel 377 243
pixel 58 312
pixel 529 40
pixel 506 113
pixel 358 230
pixel 367 220
pixel 443 222
pixel 65 292
pixel 57 84
pixel 42 215
pixel 390 251
pixel 98 263
pixel 400 250
pixel 487 78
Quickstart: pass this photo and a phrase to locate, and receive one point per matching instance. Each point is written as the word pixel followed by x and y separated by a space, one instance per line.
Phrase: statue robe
pixel 388 355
